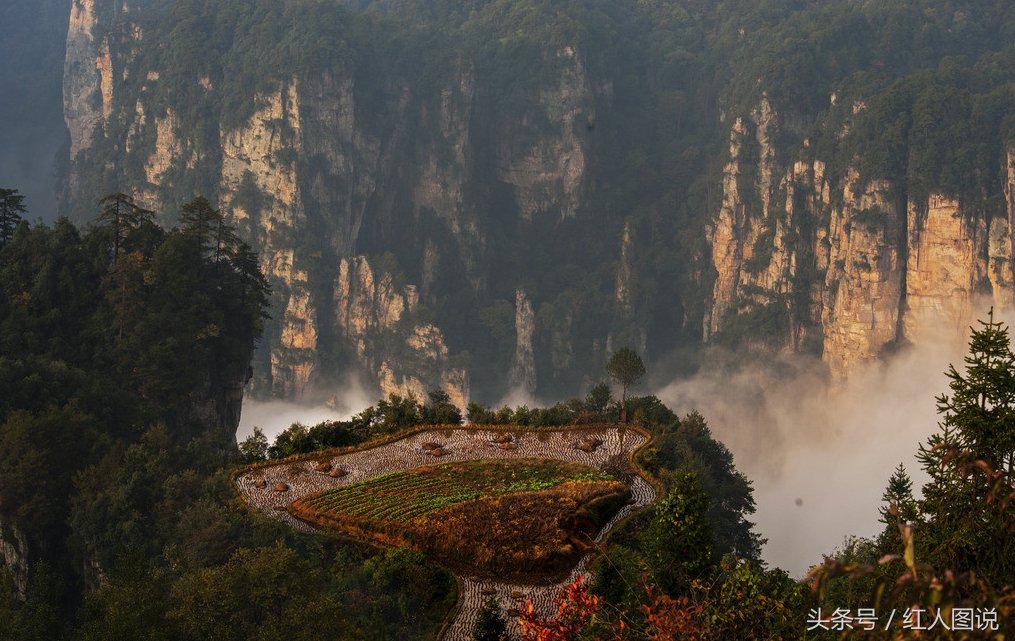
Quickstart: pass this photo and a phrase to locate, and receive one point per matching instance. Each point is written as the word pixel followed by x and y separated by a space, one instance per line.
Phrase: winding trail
pixel 460 445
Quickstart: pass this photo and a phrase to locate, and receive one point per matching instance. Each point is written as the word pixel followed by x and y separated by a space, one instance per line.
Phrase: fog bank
pixel 819 454
pixel 274 416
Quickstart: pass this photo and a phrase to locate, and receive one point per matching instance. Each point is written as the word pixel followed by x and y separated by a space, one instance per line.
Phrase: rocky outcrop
pixel 367 305
pixel 87 77
pixel 547 176
pixel 845 267
pixel 945 268
pixel 376 316
pixel 523 371
pixel 14 555
pixel 256 159
pixel 863 264
pixel 754 260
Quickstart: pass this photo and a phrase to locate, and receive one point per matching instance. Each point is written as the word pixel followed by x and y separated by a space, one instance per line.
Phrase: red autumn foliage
pixel 575 610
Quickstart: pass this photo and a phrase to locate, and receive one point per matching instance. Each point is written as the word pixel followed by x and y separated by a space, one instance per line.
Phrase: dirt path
pixel 460 445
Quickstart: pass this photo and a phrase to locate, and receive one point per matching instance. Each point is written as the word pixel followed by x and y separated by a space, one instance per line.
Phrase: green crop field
pixel 401 497
pixel 523 518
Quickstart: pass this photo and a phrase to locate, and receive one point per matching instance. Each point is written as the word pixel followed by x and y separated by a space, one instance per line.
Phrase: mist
pixel 820 454
pixel 274 416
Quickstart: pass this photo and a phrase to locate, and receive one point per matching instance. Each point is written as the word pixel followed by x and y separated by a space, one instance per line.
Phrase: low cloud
pixel 274 416
pixel 820 455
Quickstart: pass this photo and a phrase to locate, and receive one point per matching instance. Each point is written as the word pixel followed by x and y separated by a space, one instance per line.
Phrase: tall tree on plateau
pixel 122 215
pixel 11 208
pixel 199 219
pixel 625 368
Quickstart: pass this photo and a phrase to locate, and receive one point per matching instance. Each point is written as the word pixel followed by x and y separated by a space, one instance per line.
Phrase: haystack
pixel 337 473
pixel 323 466
pixel 261 484
pixel 281 487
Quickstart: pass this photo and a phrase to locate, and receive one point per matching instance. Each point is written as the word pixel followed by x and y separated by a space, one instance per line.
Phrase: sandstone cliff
pixel 320 186
pixel 845 268
pixel 530 203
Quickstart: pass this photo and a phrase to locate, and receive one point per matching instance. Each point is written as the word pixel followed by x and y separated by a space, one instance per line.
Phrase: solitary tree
pixel 11 208
pixel 625 368
pixel 490 624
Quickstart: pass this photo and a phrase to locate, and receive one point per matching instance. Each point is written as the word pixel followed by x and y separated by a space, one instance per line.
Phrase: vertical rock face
pixel 14 555
pixel 547 176
pixel 369 206
pixel 861 256
pixel 256 157
pixel 84 82
pixel 523 372
pixel 753 237
pixel 946 268
pixel 855 266
pixel 376 317
pixel 622 286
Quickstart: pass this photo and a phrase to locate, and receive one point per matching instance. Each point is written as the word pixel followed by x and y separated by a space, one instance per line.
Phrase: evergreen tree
pixel 122 216
pixel 898 504
pixel 490 625
pixel 900 494
pixel 981 406
pixel 11 208
pixel 969 463
pixel 203 222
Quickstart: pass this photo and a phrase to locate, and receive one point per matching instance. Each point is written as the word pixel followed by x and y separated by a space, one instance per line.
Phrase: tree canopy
pixel 626 369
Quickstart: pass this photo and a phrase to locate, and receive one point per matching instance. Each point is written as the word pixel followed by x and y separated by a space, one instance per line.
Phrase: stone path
pixel 458 445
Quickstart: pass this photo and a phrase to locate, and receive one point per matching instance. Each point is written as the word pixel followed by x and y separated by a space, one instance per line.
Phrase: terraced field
pixel 523 519
pixel 274 488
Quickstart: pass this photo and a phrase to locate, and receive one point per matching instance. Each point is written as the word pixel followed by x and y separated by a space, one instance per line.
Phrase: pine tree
pixel 490 625
pixel 898 505
pixel 11 207
pixel 969 463
pixel 122 216
pixel 981 407
pixel 900 494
